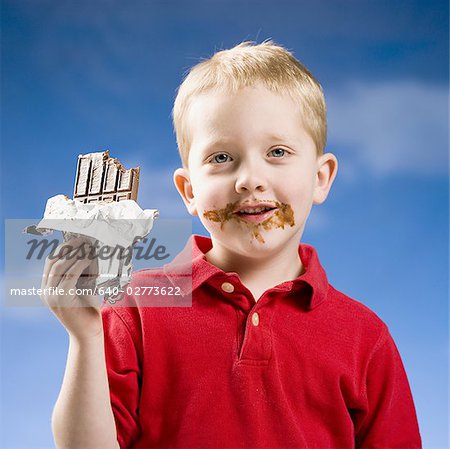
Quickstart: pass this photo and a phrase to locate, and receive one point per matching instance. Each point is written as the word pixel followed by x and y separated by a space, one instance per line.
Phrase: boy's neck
pixel 259 274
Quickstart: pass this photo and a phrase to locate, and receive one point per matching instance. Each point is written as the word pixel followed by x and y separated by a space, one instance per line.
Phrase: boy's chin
pixel 252 244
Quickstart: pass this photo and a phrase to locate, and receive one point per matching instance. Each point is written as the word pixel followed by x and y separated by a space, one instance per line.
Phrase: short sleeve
pixel 388 418
pixel 122 364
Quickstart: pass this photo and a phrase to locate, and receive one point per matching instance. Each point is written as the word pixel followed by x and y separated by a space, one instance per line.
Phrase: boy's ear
pixel 182 181
pixel 327 167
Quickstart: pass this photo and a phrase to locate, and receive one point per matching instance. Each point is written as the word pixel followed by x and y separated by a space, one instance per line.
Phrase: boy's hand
pixel 80 315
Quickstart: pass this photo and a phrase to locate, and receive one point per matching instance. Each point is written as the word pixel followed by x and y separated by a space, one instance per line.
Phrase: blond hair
pixel 244 65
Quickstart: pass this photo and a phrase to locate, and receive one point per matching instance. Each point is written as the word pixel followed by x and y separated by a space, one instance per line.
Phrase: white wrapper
pixel 102 224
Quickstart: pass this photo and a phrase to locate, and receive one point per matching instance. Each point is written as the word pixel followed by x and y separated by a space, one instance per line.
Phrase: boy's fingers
pixel 66 281
pixel 72 244
pixel 55 256
pixel 65 270
pixel 57 269
pixel 62 250
pixel 60 266
pixel 70 282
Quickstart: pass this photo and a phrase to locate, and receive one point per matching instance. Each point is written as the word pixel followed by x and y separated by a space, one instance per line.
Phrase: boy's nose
pixel 250 179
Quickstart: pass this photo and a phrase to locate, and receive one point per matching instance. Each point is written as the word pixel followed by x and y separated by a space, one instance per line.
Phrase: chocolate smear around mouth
pixel 284 215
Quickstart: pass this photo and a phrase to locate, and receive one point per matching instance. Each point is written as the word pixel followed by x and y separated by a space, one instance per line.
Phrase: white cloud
pixel 389 128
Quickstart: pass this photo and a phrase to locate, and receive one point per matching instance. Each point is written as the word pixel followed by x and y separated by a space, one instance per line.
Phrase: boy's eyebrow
pixel 217 142
pixel 226 141
pixel 277 137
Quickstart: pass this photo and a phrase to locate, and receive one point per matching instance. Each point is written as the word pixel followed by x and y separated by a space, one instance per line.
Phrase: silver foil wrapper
pixel 111 228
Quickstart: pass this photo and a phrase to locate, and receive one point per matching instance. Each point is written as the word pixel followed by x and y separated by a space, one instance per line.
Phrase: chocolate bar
pixel 101 178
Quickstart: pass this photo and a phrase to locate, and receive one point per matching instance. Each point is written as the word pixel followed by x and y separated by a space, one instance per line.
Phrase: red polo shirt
pixel 304 367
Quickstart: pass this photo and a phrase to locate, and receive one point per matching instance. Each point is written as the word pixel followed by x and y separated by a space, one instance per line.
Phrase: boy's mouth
pixel 255 214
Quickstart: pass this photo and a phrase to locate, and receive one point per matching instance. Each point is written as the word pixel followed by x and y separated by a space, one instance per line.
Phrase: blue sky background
pixel 83 76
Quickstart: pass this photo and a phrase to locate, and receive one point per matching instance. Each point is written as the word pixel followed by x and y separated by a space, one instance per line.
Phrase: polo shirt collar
pixel 190 269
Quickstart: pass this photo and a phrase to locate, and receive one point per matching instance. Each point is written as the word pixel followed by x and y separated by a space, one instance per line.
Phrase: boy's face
pixel 251 149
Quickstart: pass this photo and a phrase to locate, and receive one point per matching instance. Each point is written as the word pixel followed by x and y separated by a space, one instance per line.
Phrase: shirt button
pixel 227 287
pixel 255 319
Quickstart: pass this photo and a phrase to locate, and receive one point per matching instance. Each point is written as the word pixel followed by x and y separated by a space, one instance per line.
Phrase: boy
pixel 270 355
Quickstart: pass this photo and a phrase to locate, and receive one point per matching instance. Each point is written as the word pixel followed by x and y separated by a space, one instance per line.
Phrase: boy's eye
pixel 220 158
pixel 278 152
